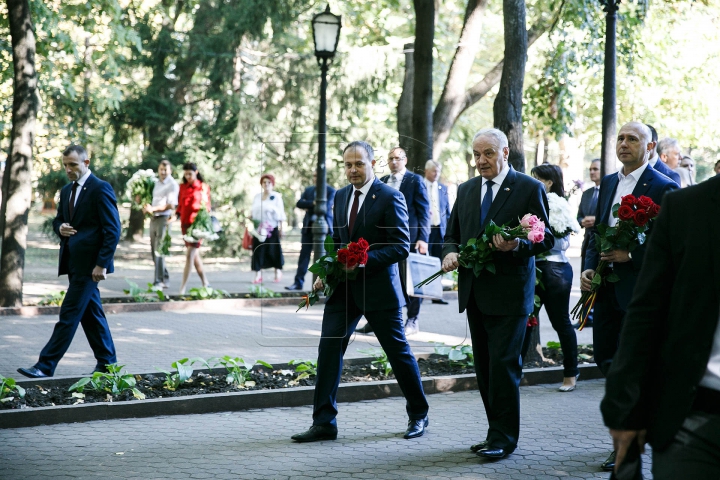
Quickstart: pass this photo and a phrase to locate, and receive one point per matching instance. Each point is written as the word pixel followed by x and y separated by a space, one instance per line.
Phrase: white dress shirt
pixel 270 211
pixel 363 193
pixel 165 193
pixel 395 179
pixel 711 379
pixel 432 188
pixel 498 180
pixel 80 181
pixel 626 185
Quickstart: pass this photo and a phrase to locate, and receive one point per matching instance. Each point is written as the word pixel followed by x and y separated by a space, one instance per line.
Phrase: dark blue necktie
pixel 486 201
pixel 593 200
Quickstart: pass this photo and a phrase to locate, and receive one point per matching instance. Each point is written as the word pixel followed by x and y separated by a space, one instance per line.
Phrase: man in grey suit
pixel 498 303
pixel 654 158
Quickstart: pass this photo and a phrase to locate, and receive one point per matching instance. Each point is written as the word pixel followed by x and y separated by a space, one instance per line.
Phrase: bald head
pixel 634 143
pixel 643 129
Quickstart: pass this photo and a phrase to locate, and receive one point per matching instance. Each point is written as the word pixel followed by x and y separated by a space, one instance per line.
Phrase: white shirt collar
pixel 500 178
pixel 635 174
pixel 399 175
pixel 81 181
pixel 167 179
pixel 365 188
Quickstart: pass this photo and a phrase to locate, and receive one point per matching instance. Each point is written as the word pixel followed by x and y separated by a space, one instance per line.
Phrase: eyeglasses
pixel 594 169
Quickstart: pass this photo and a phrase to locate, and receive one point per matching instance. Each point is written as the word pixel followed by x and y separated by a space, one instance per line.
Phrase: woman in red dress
pixel 194 194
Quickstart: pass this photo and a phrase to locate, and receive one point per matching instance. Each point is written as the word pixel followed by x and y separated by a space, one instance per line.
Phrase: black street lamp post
pixel 326 33
pixel 609 114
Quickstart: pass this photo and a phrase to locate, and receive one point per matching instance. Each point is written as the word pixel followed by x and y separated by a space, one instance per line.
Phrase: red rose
pixel 628 200
pixel 352 259
pixel 364 259
pixel 641 218
pixel 653 210
pixel 625 212
pixel 342 255
pixel 363 244
pixel 645 202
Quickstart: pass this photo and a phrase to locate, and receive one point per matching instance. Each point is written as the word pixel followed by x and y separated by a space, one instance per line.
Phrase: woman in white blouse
pixel 268 214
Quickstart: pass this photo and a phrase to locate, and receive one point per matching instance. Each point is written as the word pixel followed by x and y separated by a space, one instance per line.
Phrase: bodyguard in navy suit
pixel 307 203
pixel 497 304
pixel 656 163
pixel 88 224
pixel 637 178
pixel 367 209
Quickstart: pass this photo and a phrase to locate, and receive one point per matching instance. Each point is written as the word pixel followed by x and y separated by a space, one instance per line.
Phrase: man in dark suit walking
pixel 497 304
pixel 307 203
pixel 439 211
pixel 656 163
pixel 664 384
pixel 367 209
pixel 637 178
pixel 88 224
pixel 412 186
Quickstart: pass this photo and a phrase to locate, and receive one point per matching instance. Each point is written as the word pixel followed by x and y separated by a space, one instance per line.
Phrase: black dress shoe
pixel 416 428
pixel 317 433
pixel 440 301
pixel 609 464
pixel 493 453
pixel 294 286
pixel 33 372
pixel 479 446
pixel 366 329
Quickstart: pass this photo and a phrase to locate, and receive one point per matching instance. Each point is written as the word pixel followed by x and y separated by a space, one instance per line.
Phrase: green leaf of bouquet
pixel 490 267
pixel 612 278
pixel 597 281
pixel 611 231
pixel 615 209
pixel 602 228
pixel 329 244
pixel 316 268
pixel 472 241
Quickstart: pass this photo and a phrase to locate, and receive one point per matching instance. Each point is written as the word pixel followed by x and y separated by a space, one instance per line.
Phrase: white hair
pixel 665 144
pixel 498 135
pixel 433 163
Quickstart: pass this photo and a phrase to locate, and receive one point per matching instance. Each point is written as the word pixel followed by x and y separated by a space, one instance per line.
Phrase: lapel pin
pixel 507 189
pixel 373 197
pixel 644 184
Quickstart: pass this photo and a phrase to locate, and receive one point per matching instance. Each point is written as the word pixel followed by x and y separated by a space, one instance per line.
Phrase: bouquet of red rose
pixel 634 217
pixel 477 253
pixel 331 267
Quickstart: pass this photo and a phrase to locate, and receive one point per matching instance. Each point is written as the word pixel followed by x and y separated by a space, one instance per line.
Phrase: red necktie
pixel 71 206
pixel 354 210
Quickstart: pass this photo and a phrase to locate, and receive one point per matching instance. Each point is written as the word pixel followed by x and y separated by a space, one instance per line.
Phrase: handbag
pixel 216 227
pixel 417 268
pixel 247 240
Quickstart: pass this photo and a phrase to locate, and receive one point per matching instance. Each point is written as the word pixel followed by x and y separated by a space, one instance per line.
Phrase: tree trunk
pixel 17 179
pixel 507 109
pixel 422 116
pixel 405 104
pixel 534 353
pixel 136 225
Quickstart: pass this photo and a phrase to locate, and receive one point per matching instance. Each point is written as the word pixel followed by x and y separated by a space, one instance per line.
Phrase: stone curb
pixel 173 305
pixel 235 401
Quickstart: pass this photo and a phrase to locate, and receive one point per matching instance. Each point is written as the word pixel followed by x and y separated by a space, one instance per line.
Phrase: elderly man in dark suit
pixel 637 178
pixel 369 209
pixel 656 163
pixel 664 384
pixel 88 224
pixel 412 186
pixel 497 304
pixel 439 211
pixel 307 203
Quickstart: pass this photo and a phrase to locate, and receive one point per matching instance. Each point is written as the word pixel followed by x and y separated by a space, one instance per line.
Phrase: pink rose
pixel 536 236
pixel 528 221
pixel 539 226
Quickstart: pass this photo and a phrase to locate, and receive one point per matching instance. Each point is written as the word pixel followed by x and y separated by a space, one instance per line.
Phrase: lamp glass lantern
pixel 326 33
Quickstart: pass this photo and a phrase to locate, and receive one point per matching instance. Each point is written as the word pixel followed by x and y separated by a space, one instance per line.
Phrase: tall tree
pixel 507 109
pixel 422 112
pixel 17 179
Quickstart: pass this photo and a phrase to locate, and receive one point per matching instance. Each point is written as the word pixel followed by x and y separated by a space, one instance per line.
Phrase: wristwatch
pixel 630 255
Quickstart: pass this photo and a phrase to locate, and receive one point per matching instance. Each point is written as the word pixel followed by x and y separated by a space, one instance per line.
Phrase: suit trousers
pixel 80 306
pixel 497 341
pixel 306 239
pixel 694 453
pixel 607 322
pixel 436 242
pixel 158 227
pixel 337 328
pixel 412 303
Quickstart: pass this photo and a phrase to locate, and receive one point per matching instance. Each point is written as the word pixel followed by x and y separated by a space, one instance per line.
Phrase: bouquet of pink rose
pixel 477 252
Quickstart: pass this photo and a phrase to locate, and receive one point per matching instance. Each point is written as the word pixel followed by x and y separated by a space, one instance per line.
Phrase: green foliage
pixel 7 386
pixel 53 298
pixel 115 381
pixel 201 228
pixel 48 231
pixel 183 372
pixel 238 370
pixel 206 293
pixel 258 291
pixel 381 359
pixel 305 368
pixel 553 345
pixel 456 353
pixel 140 295
pixel 166 243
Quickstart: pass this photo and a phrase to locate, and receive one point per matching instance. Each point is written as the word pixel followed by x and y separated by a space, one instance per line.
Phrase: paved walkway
pixel 562 437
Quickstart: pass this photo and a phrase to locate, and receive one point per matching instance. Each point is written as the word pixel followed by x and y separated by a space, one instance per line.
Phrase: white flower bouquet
pixel 201 228
pixel 561 219
pixel 140 188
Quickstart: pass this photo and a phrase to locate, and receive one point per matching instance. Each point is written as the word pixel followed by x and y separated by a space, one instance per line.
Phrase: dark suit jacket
pixel 444 204
pixel 383 222
pixel 586 209
pixel 669 327
pixel 97 223
pixel 418 205
pixel 307 203
pixel 651 184
pixel 667 171
pixel 511 290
